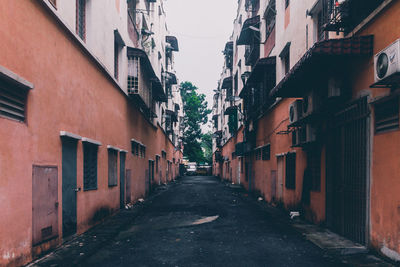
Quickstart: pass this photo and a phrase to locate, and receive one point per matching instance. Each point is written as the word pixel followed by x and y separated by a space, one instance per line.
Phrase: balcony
pixel 252 54
pixel 144 87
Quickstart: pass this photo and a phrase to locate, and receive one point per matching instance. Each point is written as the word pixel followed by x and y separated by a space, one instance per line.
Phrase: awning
pixel 157 87
pixel 174 116
pixel 230 110
pixel 118 38
pixel 247 33
pixel 171 77
pixel 264 66
pixel 173 42
pixel 227 83
pixel 323 59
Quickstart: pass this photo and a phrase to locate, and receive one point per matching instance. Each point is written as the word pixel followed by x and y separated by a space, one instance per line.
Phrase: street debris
pixel 294 214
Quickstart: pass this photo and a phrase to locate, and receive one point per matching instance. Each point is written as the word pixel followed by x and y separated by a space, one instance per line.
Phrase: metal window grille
pixel 81 18
pixel 387 115
pixel 112 167
pixel 12 102
pixel 290 181
pixel 89 166
pixel 133 74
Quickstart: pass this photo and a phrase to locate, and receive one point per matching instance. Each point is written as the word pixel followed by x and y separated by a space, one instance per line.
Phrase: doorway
pixel 69 185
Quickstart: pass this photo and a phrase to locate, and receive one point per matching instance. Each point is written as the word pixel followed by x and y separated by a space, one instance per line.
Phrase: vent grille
pixel 12 103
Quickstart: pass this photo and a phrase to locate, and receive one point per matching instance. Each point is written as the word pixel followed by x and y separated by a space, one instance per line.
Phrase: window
pixel 387 115
pixel 157 162
pixel 266 152
pixel 135 147
pixel 290 181
pixel 285 57
pixel 133 74
pixel 112 167
pixel 81 18
pixel 163 154
pixel 89 166
pixel 12 101
pixel 142 151
pixel 287 3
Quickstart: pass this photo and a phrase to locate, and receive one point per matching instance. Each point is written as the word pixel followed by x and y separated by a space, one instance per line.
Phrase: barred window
pixel 89 166
pixel 133 74
pixel 290 181
pixel 112 167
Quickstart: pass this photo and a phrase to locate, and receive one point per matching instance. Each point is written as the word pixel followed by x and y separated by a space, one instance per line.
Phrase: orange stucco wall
pixel 71 94
pixel 385 162
pixel 274 121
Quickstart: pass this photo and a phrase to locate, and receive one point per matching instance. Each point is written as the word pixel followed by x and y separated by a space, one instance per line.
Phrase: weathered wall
pixel 385 161
pixel 71 94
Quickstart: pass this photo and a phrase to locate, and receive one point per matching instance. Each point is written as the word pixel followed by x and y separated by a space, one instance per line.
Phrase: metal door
pixel 122 159
pixel 279 191
pixel 44 204
pixel 128 186
pixel 273 185
pixel 69 187
pixel 347 171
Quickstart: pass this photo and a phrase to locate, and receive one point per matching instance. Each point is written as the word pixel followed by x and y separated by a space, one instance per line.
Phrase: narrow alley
pixel 198 221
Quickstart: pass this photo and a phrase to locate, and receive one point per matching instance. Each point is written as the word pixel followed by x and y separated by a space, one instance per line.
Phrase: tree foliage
pixel 196 114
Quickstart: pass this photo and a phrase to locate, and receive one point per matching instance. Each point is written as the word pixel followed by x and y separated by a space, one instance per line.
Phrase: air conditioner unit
pixel 335 87
pixel 311 103
pixel 295 110
pixel 387 62
pixel 311 133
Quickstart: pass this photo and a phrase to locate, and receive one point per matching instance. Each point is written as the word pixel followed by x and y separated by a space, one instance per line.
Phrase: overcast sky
pixel 202 28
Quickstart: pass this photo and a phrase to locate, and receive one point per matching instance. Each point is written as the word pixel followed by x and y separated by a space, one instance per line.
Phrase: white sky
pixel 202 28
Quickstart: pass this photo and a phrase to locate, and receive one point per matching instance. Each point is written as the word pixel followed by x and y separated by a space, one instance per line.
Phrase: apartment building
pixel 321 114
pixel 90 116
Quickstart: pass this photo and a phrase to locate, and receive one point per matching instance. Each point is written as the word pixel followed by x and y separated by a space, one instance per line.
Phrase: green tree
pixel 206 142
pixel 196 112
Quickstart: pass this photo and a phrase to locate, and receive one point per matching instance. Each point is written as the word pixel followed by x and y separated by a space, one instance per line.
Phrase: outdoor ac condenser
pixel 387 62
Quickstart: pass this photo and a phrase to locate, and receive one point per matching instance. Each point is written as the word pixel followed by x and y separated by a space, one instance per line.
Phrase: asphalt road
pixel 198 221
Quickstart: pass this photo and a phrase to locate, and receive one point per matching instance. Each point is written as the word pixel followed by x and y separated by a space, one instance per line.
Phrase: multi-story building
pixel 89 113
pixel 321 114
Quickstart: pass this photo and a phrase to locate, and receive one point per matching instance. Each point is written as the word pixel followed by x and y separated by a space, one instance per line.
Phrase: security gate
pixel 347 171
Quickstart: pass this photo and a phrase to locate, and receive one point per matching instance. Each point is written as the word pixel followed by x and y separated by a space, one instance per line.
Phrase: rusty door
pixel 44 203
pixel 69 187
pixel 347 171
pixel 128 181
pixel 273 185
pixel 122 159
